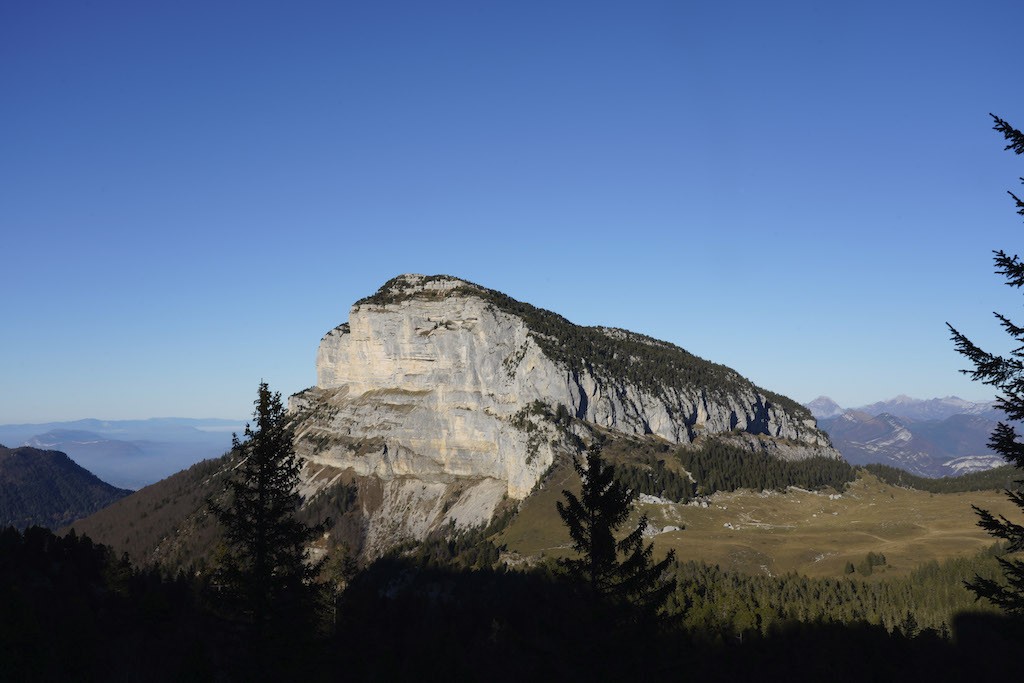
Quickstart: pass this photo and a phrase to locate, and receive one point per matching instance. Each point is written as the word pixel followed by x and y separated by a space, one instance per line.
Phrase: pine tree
pixel 617 571
pixel 265 568
pixel 1006 374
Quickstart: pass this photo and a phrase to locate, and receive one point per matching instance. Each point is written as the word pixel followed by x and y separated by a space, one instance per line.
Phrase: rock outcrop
pixel 435 383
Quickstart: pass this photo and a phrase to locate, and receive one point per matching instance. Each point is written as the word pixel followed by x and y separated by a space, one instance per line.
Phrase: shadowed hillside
pixel 165 522
pixel 46 488
pixel 73 611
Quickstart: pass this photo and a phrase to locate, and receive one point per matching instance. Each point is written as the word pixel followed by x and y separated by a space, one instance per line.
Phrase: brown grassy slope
pixel 803 532
pixel 816 535
pixel 151 524
pixel 167 523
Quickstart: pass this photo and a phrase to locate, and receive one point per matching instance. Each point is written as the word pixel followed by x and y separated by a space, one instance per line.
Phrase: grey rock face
pixel 435 378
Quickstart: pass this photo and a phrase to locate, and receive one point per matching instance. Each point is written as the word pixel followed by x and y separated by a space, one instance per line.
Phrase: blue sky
pixel 192 193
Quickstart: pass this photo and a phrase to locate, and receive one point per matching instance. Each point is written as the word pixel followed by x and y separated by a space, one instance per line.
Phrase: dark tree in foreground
pixel 1006 374
pixel 615 570
pixel 266 569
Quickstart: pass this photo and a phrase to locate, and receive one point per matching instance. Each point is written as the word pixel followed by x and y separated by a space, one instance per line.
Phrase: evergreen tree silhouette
pixel 617 571
pixel 1006 374
pixel 265 569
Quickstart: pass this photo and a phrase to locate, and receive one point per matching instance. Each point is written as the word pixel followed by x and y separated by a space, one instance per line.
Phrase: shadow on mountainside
pixel 398 621
pixel 70 610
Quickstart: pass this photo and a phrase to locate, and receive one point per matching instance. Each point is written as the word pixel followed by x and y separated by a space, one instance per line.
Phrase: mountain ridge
pixel 936 437
pixel 548 326
pixel 910 408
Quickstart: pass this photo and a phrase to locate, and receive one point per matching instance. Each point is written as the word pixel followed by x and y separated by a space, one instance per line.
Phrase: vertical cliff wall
pixel 435 380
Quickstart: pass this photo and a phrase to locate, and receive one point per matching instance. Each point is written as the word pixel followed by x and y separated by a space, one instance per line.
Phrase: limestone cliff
pixel 437 385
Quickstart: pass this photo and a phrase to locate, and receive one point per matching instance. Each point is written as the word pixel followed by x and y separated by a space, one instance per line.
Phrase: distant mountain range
pixel 46 488
pixel 935 437
pixel 129 453
pixel 933 408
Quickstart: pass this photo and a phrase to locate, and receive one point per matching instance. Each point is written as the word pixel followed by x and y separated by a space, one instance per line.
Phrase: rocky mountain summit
pixel 824 407
pixel 447 398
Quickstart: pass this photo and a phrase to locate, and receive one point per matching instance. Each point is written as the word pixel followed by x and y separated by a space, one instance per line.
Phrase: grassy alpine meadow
pixel 816 534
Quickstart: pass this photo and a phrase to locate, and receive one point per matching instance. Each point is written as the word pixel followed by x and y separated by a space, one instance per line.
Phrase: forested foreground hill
pixel 721 626
pixel 73 611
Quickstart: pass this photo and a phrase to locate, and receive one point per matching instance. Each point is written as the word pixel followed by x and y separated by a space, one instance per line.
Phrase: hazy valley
pixel 128 453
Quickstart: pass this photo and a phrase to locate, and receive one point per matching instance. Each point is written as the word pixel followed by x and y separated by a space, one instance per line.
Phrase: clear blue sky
pixel 192 193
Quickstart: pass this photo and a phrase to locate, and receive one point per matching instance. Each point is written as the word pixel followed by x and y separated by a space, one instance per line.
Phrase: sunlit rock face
pixel 436 380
